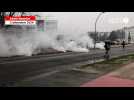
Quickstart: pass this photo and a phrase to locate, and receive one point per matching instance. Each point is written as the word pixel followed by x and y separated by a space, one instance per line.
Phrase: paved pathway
pixel 123 77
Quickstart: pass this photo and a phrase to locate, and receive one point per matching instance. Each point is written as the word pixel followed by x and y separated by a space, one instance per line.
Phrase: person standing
pixel 123 44
pixel 107 47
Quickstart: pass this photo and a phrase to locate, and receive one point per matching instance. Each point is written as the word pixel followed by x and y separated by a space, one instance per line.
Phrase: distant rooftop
pixel 132 27
pixel 127 28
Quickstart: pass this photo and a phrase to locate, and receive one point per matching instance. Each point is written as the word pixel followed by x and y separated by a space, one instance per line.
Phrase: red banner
pixel 20 20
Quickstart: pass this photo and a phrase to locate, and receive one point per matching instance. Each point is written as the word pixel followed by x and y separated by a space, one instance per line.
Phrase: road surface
pixel 20 68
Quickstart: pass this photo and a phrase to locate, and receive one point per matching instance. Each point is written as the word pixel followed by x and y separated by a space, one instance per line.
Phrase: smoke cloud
pixel 33 42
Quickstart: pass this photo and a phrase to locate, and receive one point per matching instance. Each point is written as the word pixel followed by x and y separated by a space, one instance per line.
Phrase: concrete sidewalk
pixel 123 77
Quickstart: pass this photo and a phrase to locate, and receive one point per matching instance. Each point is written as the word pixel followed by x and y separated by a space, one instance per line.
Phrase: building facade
pixel 47 24
pixel 127 34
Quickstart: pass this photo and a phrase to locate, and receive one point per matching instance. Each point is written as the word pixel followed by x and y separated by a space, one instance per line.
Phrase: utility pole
pixel 96 35
pixel 96 28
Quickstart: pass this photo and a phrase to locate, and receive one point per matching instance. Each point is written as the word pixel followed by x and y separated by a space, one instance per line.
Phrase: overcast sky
pixel 84 21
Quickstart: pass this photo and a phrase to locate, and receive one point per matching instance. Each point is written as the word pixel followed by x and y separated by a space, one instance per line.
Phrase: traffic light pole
pixel 96 35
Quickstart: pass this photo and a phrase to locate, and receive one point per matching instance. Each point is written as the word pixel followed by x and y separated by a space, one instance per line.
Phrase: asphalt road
pixel 19 68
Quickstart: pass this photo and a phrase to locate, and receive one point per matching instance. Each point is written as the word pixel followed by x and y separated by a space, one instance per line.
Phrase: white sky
pixel 84 21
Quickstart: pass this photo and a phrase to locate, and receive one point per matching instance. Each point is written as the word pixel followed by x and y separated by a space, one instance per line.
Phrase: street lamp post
pixel 96 33
pixel 95 28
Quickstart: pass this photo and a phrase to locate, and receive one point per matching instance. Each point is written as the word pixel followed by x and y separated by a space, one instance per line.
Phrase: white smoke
pixel 100 45
pixel 32 42
pixel 76 43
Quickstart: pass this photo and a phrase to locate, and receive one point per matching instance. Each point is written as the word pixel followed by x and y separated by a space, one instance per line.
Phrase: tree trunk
pixel 2 14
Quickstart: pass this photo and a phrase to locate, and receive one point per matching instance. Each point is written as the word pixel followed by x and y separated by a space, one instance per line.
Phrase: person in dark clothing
pixel 123 44
pixel 107 47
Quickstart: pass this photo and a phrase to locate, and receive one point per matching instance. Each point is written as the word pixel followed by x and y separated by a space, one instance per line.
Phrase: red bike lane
pixel 123 77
